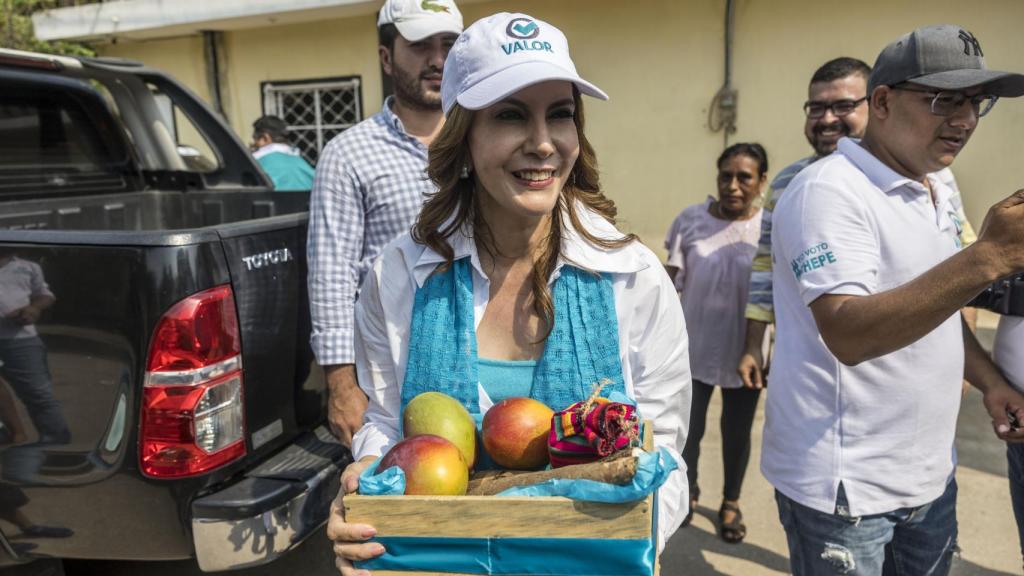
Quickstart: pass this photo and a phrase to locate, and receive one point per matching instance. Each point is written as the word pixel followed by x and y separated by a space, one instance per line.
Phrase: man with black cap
pixel 370 184
pixel 871 350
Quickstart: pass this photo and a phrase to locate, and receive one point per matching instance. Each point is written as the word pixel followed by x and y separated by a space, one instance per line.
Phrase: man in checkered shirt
pixel 369 187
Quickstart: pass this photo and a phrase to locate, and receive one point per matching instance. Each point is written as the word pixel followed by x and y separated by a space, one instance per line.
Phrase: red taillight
pixel 192 410
pixel 198 331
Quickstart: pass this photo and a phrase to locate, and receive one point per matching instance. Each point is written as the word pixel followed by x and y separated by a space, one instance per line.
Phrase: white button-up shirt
pixel 652 339
pixel 848 224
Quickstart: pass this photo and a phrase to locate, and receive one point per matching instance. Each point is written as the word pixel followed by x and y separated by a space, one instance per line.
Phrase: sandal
pixel 694 496
pixel 734 531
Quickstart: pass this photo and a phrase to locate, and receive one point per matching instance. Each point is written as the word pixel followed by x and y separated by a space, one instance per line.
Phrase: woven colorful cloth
pixel 591 430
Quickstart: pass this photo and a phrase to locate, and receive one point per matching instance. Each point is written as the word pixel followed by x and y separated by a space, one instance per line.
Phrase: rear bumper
pixel 273 509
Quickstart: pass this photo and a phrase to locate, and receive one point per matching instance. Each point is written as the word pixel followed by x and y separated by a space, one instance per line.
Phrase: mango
pixel 433 466
pixel 515 433
pixel 441 415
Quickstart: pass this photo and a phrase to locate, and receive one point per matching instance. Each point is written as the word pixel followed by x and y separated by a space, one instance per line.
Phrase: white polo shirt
pixel 848 224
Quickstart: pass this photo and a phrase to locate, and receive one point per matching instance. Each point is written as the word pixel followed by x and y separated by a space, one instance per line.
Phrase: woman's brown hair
pixel 449 153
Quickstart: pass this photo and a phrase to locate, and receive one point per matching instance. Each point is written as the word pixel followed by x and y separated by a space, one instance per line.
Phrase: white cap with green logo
pixel 502 54
pixel 419 19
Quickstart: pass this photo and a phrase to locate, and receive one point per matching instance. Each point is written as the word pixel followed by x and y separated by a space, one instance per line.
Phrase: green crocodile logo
pixel 433 7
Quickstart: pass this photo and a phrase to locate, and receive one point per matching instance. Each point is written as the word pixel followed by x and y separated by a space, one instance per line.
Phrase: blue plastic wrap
pixel 539 556
pixel 390 482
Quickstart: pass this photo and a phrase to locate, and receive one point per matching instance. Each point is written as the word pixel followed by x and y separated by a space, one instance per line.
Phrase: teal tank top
pixel 503 379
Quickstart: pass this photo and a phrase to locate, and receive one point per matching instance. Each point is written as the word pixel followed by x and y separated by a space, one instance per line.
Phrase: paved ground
pixel 988 534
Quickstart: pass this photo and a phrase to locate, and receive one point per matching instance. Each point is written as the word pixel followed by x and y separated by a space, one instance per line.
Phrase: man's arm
pixel 751 366
pixel 1000 398
pixel 335 246
pixel 346 402
pixel 859 328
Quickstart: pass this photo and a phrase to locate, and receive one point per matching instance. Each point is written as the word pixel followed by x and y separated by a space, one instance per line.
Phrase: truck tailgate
pixel 285 391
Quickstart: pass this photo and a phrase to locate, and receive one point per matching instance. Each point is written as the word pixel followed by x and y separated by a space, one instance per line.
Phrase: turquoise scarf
pixel 582 349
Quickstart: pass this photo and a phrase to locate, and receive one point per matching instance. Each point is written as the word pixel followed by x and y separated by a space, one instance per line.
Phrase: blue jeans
pixel 906 542
pixel 25 369
pixel 1015 470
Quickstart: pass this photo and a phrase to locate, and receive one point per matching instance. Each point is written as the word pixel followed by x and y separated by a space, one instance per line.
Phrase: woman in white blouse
pixel 515 281
pixel 711 248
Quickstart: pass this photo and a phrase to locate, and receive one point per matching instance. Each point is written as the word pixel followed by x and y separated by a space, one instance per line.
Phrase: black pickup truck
pixel 159 398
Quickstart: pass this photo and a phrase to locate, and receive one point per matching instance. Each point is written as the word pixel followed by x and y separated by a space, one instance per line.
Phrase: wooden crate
pixel 501 517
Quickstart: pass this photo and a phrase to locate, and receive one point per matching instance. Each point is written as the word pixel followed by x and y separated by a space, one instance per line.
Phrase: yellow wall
pixel 780 43
pixel 181 57
pixel 661 61
pixel 295 52
pixel 658 61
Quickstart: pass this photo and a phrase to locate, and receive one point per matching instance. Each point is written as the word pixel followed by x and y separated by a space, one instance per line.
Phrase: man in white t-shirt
pixel 1008 353
pixel 24 294
pixel 869 279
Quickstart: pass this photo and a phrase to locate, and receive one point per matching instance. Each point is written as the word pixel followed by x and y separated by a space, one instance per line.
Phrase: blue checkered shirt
pixel 759 299
pixel 370 185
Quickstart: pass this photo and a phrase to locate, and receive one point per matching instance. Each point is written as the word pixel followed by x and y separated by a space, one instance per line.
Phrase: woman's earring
pixel 464 174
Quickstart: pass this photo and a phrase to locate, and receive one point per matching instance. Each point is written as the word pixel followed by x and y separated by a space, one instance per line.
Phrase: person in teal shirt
pixel 279 159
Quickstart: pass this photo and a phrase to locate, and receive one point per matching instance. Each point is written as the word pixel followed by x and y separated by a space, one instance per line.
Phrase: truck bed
pixel 151 210
pixel 116 232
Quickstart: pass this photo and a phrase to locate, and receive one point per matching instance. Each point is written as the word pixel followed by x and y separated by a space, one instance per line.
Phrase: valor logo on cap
pixel 522 29
pixel 502 54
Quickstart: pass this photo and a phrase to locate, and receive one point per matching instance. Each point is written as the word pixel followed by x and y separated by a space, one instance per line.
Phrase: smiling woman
pixel 523 148
pixel 516 263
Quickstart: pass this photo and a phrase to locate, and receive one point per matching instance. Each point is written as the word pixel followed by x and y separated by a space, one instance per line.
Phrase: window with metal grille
pixel 316 110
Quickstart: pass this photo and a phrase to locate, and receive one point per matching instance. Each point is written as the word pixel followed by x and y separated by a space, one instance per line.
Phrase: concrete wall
pixel 182 57
pixel 296 52
pixel 662 62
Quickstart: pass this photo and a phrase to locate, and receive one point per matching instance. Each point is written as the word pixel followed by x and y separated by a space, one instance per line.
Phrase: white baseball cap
pixel 418 19
pixel 502 54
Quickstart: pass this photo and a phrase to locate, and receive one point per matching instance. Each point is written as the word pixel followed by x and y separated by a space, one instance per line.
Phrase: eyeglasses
pixel 816 109
pixel 947 103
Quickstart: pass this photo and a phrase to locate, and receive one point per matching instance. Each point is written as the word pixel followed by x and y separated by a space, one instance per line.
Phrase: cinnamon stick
pixel 616 469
